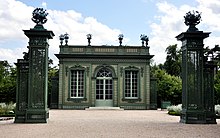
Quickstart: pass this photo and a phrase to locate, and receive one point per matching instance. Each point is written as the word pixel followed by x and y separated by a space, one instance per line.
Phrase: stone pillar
pixel 22 90
pixel 37 110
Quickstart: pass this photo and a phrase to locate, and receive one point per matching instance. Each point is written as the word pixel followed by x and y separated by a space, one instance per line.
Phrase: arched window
pixel 104 72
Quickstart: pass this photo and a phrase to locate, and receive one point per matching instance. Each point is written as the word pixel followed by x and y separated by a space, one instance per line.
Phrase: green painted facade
pixel 115 59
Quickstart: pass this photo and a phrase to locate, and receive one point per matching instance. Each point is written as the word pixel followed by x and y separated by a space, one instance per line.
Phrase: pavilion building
pixel 104 76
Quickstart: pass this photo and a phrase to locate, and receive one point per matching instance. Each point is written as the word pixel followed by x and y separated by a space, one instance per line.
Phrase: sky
pixel 160 20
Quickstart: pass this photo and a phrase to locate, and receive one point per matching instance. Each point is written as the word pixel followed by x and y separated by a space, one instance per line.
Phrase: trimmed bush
pixel 174 109
pixel 217 110
pixel 7 109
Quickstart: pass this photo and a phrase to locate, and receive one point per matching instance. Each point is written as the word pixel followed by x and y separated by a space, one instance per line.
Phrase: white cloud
pixel 11 55
pixel 210 20
pixel 16 16
pixel 164 33
pixel 44 5
pixel 171 23
pixel 77 27
pixel 210 14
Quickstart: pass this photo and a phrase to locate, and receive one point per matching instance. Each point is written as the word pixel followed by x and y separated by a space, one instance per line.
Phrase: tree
pixel 52 72
pixel 7 82
pixel 8 76
pixel 172 65
pixel 168 75
pixel 169 87
pixel 213 54
pixel 217 88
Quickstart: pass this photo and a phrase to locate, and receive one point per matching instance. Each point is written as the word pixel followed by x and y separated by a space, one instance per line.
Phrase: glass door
pixel 104 88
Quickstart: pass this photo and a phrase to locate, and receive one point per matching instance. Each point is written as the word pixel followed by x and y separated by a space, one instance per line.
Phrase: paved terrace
pixel 109 124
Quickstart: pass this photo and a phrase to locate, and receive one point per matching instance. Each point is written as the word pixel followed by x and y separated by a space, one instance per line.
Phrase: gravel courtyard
pixel 109 124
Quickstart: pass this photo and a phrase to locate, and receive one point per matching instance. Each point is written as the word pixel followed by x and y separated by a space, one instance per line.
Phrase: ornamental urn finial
pixel 120 38
pixel 144 38
pixel 192 19
pixel 66 37
pixel 89 37
pixel 39 17
pixel 61 39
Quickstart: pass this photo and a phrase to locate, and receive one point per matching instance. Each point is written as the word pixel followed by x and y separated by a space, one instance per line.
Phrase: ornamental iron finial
pixel 192 19
pixel 61 39
pixel 26 56
pixel 145 39
pixel 64 37
pixel 120 38
pixel 89 37
pixel 212 54
pixel 39 16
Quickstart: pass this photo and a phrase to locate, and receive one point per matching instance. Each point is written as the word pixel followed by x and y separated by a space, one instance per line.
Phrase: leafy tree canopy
pixel 172 64
pixel 169 87
pixel 7 82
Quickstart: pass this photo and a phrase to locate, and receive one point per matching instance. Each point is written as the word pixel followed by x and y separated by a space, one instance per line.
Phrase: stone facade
pixel 115 76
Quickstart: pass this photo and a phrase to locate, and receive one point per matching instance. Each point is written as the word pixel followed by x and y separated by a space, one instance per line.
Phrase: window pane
pixel 131 84
pixel 77 83
pixel 99 89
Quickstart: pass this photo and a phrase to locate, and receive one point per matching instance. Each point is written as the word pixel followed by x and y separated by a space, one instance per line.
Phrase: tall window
pixel 104 86
pixel 77 84
pixel 131 84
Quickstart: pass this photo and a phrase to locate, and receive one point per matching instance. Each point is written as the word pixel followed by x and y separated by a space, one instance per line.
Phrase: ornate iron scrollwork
pixel 39 16
pixel 192 19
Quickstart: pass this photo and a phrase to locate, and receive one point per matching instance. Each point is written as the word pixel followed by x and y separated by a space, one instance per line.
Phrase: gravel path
pixel 109 124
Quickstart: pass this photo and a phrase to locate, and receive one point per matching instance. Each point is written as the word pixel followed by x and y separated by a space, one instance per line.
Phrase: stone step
pixel 104 108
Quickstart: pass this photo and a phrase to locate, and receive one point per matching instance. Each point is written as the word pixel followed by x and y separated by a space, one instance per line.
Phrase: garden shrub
pixel 7 109
pixel 176 110
pixel 217 110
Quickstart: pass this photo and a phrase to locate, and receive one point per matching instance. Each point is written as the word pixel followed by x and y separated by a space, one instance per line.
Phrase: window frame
pixel 131 99
pixel 77 99
pixel 78 80
pixel 105 78
pixel 131 90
